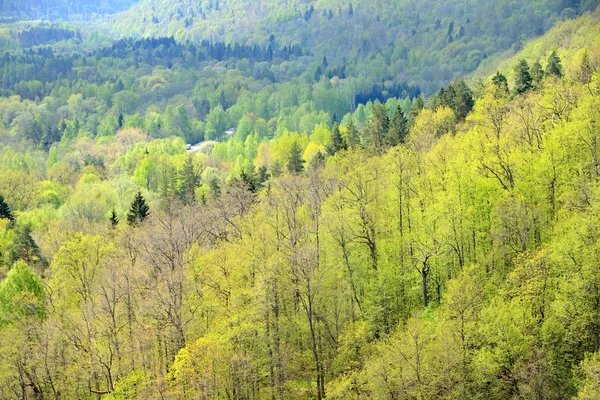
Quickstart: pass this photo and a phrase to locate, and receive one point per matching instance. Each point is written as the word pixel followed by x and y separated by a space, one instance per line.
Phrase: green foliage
pixel 22 295
pixel 5 210
pixel 139 210
pixel 295 162
pixel 523 80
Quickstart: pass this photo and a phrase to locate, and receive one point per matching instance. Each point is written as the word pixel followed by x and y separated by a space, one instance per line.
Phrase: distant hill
pixel 426 43
pixel 569 38
pixel 60 9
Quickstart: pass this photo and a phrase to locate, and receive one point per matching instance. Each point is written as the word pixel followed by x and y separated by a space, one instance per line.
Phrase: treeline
pixel 39 35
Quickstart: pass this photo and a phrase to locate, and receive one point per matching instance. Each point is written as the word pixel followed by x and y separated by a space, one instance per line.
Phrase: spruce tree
pixel 295 163
pixel 500 85
pixel 554 66
pixel 5 210
pixel 337 141
pixel 523 81
pixel 114 220
pixel 398 129
pixel 139 210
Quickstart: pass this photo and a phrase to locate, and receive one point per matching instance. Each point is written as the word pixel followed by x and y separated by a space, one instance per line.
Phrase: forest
pixel 343 227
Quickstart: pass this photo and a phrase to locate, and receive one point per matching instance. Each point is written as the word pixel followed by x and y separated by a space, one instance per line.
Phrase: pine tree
pixel 523 81
pixel 114 220
pixel 337 141
pixel 139 210
pixel 554 66
pixel 5 210
pixel 398 129
pixel 295 163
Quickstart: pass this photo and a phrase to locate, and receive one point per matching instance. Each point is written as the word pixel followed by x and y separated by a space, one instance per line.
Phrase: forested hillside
pixel 425 43
pixel 60 9
pixel 349 239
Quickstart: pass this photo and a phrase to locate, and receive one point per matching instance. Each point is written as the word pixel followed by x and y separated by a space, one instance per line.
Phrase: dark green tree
pixel 523 80
pixel 295 163
pixel 5 211
pixel 554 66
pixel 263 174
pixel 250 180
pixel 398 129
pixel 337 141
pixel 500 85
pixel 114 220
pixel 378 128
pixel 276 169
pixel 139 210
pixel 24 247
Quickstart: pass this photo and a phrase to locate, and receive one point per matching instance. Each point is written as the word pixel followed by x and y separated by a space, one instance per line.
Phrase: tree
pixel 378 128
pixel 398 129
pixel 139 210
pixel 523 81
pixel 295 163
pixel 586 70
pixel 337 141
pixel 190 177
pixel 25 248
pixel 537 73
pixel 114 220
pixel 500 85
pixel 5 210
pixel 554 66
pixel 417 105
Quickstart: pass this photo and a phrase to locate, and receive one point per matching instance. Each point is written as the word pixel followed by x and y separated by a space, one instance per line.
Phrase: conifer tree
pixel 337 141
pixel 378 127
pixel 352 136
pixel 523 81
pixel 398 129
pixel 114 220
pixel 295 163
pixel 500 85
pixel 190 176
pixel 537 73
pixel 139 210
pixel 554 66
pixel 5 210
pixel 586 70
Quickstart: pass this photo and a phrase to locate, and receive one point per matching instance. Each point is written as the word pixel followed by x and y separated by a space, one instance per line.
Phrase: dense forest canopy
pixel 60 9
pixel 333 233
pixel 424 43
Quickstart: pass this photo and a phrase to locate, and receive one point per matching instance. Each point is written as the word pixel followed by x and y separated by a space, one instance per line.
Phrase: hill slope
pixel 427 43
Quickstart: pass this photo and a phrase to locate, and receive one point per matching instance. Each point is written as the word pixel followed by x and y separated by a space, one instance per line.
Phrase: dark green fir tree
pixel 139 210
